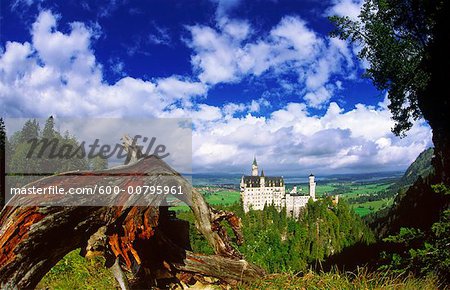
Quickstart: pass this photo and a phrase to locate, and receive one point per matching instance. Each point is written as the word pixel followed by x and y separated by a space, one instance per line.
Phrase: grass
pixel 348 188
pixel 325 188
pixel 335 280
pixel 76 272
pixel 362 211
pixel 223 197
pixel 367 188
pixel 365 208
pixel 220 197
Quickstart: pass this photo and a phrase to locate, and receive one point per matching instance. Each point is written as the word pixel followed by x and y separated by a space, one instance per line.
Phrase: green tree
pixel 58 156
pixel 49 129
pixel 423 250
pixel 99 163
pixel 30 130
pixel 406 45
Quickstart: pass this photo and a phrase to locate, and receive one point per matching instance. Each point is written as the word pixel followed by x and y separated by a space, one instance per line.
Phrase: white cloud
pixel 227 54
pixel 58 49
pixel 293 32
pixel 225 6
pixel 215 58
pixel 175 87
pixel 255 105
pixel 233 108
pixel 318 97
pixel 15 60
pixel 161 36
pixel 58 74
pixel 350 8
pixel 292 141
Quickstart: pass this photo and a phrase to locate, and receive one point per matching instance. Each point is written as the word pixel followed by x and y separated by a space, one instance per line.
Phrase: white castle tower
pixel 259 190
pixel 312 187
pixel 254 167
pixel 262 179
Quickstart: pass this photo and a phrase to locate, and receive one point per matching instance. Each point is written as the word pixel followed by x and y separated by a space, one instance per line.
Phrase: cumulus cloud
pixel 289 140
pixel 229 53
pixel 350 8
pixel 254 106
pixel 57 73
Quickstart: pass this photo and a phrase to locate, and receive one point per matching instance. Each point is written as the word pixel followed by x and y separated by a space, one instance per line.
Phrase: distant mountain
pixel 420 167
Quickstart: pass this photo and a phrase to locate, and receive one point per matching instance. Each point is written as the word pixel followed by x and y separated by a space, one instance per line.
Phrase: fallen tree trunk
pixel 34 238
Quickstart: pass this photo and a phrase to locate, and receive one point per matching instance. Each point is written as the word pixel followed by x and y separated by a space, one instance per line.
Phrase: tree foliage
pixel 394 37
pixel 19 147
pixel 280 243
pixel 420 250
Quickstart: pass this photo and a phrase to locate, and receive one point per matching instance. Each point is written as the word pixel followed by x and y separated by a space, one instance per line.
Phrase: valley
pixel 364 195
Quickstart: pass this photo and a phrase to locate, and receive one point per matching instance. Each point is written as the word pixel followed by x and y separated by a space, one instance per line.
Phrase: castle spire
pixel 254 167
pixel 262 172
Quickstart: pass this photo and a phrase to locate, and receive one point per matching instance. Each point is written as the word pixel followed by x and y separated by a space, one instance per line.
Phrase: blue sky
pixel 257 77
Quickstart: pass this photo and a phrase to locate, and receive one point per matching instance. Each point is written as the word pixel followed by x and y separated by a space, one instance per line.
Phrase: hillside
pixel 420 167
pixel 417 203
pixel 413 234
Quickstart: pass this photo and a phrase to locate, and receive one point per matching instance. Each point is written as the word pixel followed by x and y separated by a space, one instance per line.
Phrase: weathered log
pixel 34 238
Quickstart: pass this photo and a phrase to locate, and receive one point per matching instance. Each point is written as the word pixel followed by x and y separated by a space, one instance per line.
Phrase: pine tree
pixel 49 129
pixel 30 130
pixel 99 163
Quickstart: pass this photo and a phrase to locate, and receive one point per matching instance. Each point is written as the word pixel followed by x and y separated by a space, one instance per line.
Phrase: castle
pixel 259 190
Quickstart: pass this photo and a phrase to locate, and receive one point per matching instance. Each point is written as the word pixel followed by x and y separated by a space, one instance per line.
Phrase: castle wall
pixel 257 191
pixel 257 197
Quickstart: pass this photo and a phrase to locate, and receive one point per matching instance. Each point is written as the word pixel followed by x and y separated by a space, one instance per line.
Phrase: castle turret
pixel 312 187
pixel 254 167
pixel 262 180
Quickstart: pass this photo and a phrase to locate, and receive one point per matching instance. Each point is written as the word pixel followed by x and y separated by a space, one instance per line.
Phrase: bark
pixel 434 101
pixel 2 168
pixel 34 238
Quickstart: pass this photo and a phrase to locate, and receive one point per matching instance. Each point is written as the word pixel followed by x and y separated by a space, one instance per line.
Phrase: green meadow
pixel 366 208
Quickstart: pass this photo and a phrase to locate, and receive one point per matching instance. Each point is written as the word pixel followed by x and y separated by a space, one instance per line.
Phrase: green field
pixel 326 188
pixel 218 196
pixel 368 188
pixel 223 197
pixel 366 208
pixel 347 188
